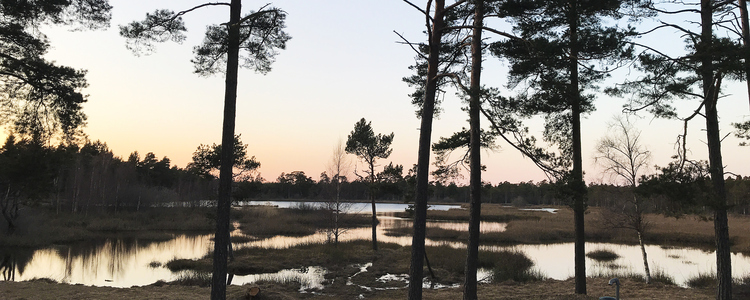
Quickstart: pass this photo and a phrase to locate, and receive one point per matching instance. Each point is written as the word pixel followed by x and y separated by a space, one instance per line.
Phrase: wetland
pixel 286 250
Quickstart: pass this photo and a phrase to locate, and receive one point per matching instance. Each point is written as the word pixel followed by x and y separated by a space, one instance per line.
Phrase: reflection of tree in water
pixel 116 254
pixel 14 260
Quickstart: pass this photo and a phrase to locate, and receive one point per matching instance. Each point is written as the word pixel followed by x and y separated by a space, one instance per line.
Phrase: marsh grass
pixel 703 280
pixel 602 255
pixel 270 221
pixel 154 224
pixel 177 265
pixel 659 275
pixel 492 213
pixel 514 266
pixel 193 278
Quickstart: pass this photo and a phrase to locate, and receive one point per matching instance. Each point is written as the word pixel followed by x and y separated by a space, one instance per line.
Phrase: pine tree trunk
pixel 416 269
pixel 579 187
pixel 745 41
pixel 223 206
pixel 475 179
pixel 711 88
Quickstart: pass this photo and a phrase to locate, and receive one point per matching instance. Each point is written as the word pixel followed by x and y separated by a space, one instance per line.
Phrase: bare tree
pixel 337 167
pixel 624 159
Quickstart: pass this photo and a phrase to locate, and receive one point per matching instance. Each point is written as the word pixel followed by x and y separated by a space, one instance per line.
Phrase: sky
pixel 343 63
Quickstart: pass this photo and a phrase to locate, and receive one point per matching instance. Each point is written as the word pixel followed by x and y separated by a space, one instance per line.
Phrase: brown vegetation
pixel 341 262
pixel 65 227
pixel 544 290
pixel 539 227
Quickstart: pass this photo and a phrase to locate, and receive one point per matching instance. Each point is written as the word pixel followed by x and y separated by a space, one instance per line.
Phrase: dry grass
pixel 545 290
pixel 270 221
pixel 151 224
pixel 539 227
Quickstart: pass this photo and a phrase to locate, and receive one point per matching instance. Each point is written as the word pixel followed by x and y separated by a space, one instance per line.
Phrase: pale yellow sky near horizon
pixel 343 63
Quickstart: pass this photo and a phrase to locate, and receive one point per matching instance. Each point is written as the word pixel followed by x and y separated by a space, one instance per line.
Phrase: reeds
pixel 703 280
pixel 193 278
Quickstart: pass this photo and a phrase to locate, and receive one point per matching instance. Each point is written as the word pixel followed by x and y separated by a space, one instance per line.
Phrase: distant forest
pixel 90 177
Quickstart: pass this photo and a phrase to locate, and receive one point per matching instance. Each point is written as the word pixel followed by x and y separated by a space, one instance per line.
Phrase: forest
pixel 90 177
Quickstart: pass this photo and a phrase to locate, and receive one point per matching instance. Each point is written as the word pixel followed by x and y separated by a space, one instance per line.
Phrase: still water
pixel 125 263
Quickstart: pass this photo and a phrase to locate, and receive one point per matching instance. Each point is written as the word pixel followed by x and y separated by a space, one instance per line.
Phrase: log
pixel 252 292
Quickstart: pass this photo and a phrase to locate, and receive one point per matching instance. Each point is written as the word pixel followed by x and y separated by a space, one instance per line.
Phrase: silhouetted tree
pixel 40 98
pixel 207 161
pixel 554 62
pixel 260 34
pixel 26 176
pixel 369 147
pixel 711 56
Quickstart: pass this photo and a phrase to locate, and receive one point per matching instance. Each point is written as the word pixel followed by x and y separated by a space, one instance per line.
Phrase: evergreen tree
pixel 40 98
pixel 259 34
pixel 369 147
pixel 554 64
pixel 711 56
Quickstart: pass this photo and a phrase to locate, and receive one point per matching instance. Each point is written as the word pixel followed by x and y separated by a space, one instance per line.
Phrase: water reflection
pixel 111 262
pixel 308 278
pixel 356 207
pixel 365 233
pixel 556 260
pixel 125 263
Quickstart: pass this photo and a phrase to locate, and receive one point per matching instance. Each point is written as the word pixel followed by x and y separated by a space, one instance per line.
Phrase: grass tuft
pixel 194 278
pixel 602 255
pixel 703 280
pixel 177 265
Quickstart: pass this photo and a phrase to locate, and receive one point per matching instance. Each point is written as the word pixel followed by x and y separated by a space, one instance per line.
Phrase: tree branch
pixel 411 45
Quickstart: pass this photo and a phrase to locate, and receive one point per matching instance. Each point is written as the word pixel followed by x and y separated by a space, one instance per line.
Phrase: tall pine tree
pixel 556 64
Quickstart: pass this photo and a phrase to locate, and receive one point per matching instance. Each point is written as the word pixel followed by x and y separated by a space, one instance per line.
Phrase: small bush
pixel 154 264
pixel 602 255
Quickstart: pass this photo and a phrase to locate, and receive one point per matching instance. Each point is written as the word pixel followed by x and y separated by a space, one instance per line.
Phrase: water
pixel 125 263
pixel 355 206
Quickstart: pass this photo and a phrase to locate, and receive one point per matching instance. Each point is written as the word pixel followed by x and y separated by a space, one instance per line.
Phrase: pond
pixel 128 262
